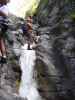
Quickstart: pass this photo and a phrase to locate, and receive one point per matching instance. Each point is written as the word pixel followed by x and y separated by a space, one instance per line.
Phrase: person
pixel 27 29
pixel 31 43
pixel 3 28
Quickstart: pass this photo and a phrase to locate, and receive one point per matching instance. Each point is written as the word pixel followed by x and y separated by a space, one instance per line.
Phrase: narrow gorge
pixel 46 72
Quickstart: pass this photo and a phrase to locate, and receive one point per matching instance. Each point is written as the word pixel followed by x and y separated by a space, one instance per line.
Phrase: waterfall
pixel 28 87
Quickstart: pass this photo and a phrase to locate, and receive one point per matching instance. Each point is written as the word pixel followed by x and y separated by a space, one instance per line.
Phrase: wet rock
pixel 10 72
pixel 8 96
pixel 55 51
pixel 54 68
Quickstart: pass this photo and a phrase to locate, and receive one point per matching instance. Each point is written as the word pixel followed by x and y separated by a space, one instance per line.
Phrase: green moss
pixel 72 15
pixel 67 1
pixel 17 84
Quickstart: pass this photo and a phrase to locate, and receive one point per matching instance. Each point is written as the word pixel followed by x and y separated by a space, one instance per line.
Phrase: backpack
pixel 4 2
pixel 24 28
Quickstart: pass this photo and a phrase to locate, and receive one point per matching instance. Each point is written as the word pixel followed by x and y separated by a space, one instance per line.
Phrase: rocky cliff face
pixel 10 73
pixel 55 51
pixel 55 63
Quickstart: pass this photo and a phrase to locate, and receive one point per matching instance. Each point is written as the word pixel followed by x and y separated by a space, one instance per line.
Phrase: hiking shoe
pixel 0 58
pixel 3 59
pixel 33 45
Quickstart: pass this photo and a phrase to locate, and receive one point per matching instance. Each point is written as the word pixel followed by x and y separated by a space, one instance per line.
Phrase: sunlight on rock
pixel 20 7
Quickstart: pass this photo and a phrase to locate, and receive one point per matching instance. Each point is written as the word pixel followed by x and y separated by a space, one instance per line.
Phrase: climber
pixel 31 43
pixel 32 37
pixel 3 28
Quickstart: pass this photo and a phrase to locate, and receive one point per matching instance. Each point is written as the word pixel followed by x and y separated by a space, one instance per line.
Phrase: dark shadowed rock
pixel 55 51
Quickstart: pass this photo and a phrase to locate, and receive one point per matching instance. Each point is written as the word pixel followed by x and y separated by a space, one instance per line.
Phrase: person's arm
pixel 2 14
pixel 4 10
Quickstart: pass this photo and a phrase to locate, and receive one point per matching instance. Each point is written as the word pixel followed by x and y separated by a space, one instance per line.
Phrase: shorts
pixel 3 25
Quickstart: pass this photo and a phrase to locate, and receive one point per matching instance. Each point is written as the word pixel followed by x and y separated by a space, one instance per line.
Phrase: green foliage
pixel 33 8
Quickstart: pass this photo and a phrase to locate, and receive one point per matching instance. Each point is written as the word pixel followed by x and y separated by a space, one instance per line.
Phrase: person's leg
pixel 0 51
pixel 3 49
pixel 0 54
pixel 0 48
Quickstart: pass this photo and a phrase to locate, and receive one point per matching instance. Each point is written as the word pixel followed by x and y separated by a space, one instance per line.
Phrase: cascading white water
pixel 28 87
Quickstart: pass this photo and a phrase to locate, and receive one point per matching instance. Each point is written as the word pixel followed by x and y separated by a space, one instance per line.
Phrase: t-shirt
pixel 4 9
